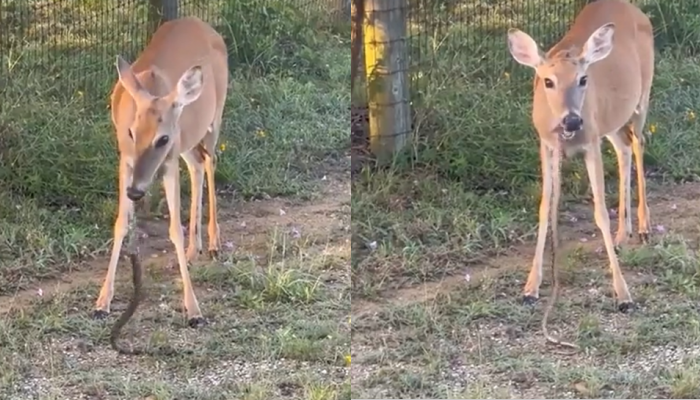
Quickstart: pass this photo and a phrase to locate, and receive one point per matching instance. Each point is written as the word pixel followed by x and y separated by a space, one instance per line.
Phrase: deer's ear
pixel 127 77
pixel 599 44
pixel 523 48
pixel 190 85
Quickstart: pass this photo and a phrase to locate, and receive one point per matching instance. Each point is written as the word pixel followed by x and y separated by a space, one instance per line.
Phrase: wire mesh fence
pixel 477 29
pixel 58 147
pixel 57 69
pixel 445 41
pixel 70 46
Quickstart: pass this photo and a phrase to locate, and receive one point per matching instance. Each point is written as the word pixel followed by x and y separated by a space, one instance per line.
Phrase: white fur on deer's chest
pixel 578 144
pixel 568 147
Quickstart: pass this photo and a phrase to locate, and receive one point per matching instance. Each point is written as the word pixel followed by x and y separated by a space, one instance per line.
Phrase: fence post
pixel 160 11
pixel 386 69
pixel 344 9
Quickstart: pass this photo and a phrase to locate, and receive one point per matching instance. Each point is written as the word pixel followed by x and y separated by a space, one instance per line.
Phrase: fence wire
pixel 448 40
pixel 69 46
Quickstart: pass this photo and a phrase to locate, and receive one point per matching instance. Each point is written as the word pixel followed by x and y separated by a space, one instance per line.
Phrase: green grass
pixel 277 301
pixel 59 154
pixel 442 199
pixel 278 329
pixel 478 341
pixel 466 192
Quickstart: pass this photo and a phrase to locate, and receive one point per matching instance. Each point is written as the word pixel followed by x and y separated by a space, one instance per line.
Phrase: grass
pixel 266 318
pixel 60 154
pixel 461 202
pixel 440 195
pixel 478 341
pixel 277 301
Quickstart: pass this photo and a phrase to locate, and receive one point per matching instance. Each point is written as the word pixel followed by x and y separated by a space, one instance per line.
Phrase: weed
pixel 461 202
pixel 276 299
pixel 59 155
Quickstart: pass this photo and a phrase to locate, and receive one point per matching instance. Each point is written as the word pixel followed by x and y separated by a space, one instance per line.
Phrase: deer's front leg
pixel 121 228
pixel 171 183
pixel 594 165
pixel 532 287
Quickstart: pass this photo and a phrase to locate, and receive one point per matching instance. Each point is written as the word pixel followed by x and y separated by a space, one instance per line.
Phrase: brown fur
pixel 614 106
pixel 184 67
pixel 633 43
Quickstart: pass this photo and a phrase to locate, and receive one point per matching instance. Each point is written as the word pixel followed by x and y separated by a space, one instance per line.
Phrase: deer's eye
pixel 548 83
pixel 583 81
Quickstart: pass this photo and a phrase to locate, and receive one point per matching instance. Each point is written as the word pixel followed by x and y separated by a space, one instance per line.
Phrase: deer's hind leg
pixel 638 143
pixel 209 150
pixel 621 142
pixel 195 164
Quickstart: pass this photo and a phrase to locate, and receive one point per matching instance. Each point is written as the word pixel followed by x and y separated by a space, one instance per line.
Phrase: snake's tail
pixel 137 275
pixel 548 336
pixel 555 293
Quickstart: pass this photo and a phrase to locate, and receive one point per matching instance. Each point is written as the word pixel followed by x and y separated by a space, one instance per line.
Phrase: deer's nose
pixel 134 194
pixel 572 123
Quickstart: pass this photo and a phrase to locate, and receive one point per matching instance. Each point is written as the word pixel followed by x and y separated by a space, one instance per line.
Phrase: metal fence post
pixel 160 11
pixel 386 69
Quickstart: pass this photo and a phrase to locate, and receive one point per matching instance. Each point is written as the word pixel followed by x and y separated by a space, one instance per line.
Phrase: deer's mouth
pixel 567 135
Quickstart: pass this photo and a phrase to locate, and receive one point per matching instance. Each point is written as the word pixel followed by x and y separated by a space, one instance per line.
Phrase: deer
pixel 168 105
pixel 594 83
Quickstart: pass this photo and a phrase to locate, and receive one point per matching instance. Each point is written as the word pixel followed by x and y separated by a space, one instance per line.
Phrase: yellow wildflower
pixel 652 128
pixel 260 133
pixel 347 359
pixel 691 115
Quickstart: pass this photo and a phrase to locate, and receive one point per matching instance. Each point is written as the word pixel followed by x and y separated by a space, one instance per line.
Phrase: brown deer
pixel 169 104
pixel 595 82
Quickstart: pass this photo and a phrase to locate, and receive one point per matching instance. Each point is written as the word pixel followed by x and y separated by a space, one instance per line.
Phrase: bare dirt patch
pixel 277 302
pixel 471 338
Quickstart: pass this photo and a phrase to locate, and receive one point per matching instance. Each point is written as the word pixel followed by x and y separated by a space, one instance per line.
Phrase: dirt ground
pixel 469 336
pixel 277 305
